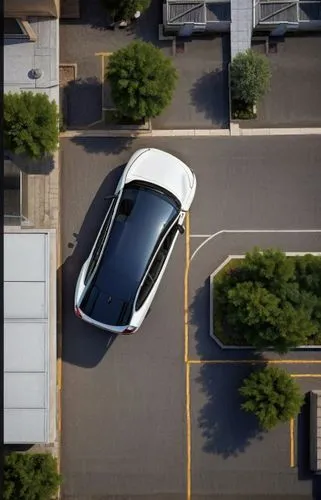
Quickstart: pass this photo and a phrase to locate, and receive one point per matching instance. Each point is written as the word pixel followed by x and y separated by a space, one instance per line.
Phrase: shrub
pixel 142 80
pixel 30 477
pixel 125 9
pixel 250 77
pixel 272 301
pixel 272 395
pixel 31 124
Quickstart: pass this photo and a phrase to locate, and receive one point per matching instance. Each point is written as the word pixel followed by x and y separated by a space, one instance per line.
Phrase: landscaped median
pixel 267 300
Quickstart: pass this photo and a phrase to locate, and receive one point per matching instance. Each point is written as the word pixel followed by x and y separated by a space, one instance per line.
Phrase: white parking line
pixel 209 237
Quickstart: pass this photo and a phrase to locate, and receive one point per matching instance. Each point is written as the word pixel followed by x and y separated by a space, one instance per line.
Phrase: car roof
pixel 143 216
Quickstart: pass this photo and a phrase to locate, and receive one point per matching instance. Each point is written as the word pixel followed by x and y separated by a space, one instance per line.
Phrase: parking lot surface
pixel 293 99
pixel 124 427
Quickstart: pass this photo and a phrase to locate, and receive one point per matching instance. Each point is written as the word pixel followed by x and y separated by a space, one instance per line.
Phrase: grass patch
pixel 242 111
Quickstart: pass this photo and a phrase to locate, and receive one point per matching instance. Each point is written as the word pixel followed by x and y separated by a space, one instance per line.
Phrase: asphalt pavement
pixel 124 409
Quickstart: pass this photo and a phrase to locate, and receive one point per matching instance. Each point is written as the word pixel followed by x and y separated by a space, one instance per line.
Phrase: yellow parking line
pixel 102 56
pixel 187 366
pixel 253 361
pixel 189 440
pixel 292 455
pixel 306 375
pixel 187 260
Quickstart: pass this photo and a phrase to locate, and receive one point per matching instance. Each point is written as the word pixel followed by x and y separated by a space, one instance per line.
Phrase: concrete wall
pixel 19 8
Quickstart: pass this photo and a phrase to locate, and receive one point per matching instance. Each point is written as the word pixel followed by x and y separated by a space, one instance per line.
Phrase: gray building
pixel 29 336
pixel 242 18
pixel 190 17
pixel 279 18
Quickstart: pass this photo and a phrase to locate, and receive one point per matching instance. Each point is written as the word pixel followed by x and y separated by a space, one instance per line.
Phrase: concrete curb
pixel 146 133
pixel 233 131
pixel 244 348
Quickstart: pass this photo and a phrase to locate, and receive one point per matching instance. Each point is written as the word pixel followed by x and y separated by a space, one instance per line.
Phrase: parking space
pixel 123 401
pixel 201 96
pixel 294 99
pixel 136 419
pixel 230 456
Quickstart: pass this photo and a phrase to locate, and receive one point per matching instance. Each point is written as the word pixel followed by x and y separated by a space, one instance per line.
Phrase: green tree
pixel 264 303
pixel 30 476
pixel 250 77
pixel 272 395
pixel 30 124
pixel 126 9
pixel 142 80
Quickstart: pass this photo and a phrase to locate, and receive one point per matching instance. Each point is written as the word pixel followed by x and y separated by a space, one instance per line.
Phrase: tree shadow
pixel 303 449
pixel 81 102
pixel 209 95
pixel 226 429
pixel 206 347
pixel 83 344
pixel 112 146
pixel 41 166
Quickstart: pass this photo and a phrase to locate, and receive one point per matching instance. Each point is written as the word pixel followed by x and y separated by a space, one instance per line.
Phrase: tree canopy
pixel 272 395
pixel 142 80
pixel 30 124
pixel 272 300
pixel 126 9
pixel 30 476
pixel 250 76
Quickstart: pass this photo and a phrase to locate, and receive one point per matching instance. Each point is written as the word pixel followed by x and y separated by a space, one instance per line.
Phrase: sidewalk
pixel 42 204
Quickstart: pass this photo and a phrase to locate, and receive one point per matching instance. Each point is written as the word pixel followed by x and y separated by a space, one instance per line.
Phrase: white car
pixel 118 281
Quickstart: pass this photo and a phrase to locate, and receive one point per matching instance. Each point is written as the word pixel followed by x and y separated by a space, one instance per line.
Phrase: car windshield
pixel 143 216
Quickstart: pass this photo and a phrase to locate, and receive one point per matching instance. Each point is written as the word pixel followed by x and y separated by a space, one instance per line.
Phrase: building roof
pixel 29 337
pixel 287 11
pixel 197 11
pixel 22 56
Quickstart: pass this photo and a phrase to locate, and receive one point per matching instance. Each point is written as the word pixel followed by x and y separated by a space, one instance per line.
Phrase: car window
pixel 100 241
pixel 156 267
pixel 144 291
pixel 142 218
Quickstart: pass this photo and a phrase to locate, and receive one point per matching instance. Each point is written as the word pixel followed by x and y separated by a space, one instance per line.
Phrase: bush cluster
pixel 272 301
pixel 30 476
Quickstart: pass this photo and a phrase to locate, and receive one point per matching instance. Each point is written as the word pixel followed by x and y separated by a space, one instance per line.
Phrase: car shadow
pixel 226 429
pixel 82 344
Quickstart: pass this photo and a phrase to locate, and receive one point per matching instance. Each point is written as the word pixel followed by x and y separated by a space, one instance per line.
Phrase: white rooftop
pixel 29 338
pixel 20 57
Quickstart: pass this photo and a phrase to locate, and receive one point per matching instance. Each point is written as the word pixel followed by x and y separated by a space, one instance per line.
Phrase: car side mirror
pixel 181 228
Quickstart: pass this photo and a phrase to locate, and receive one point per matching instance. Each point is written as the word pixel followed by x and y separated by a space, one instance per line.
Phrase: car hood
pixel 164 170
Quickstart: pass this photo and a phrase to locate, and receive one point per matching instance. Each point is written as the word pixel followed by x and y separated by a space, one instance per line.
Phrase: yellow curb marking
pixel 292 457
pixel 102 55
pixel 187 366
pixel 187 264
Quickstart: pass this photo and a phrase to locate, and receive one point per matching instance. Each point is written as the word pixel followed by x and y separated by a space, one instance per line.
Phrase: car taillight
pixel 129 330
pixel 77 312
